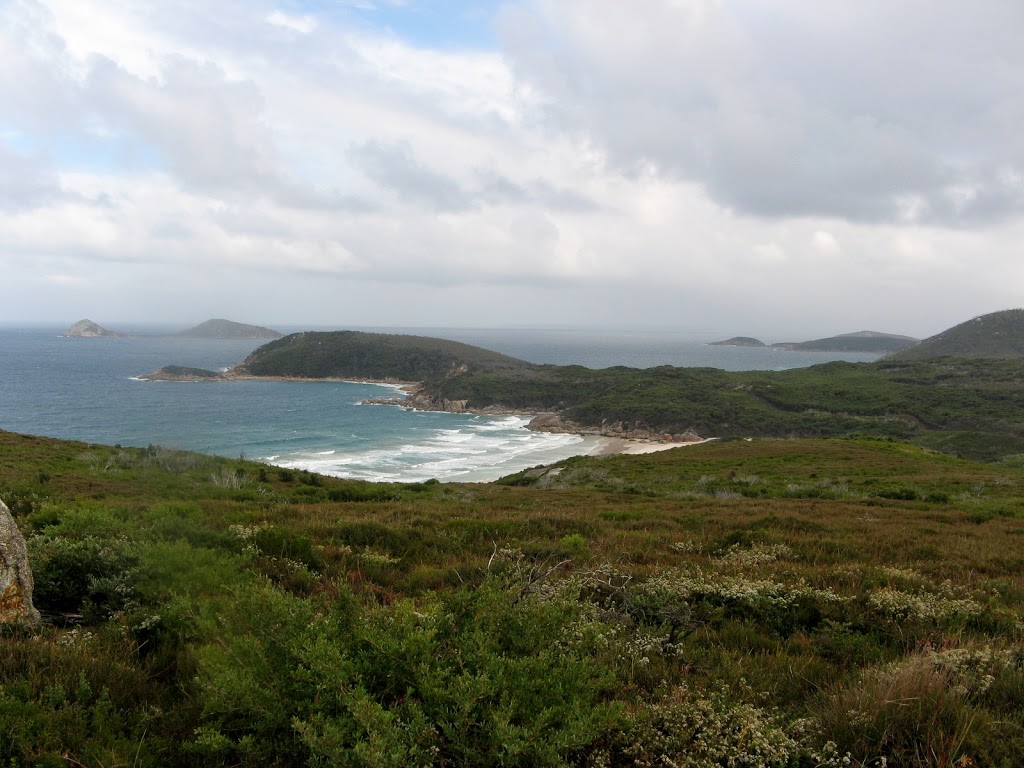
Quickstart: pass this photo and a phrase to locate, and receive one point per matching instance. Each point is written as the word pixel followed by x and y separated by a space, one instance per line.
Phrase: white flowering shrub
pixel 898 606
pixel 755 555
pixel 693 729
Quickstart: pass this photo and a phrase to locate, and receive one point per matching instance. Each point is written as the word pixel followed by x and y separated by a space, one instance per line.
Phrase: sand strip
pixel 614 446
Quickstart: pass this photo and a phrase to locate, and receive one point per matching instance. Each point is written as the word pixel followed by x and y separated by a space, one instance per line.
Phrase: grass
pixel 829 597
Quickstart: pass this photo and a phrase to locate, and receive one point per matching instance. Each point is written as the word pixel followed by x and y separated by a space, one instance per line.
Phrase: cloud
pixel 395 167
pixel 825 243
pixel 25 182
pixel 697 160
pixel 805 110
pixel 68 281
pixel 304 24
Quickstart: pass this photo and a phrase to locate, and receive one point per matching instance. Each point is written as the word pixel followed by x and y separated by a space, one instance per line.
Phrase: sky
pixel 777 168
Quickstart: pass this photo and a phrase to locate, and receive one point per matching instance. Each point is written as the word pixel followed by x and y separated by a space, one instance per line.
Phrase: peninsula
pixel 861 341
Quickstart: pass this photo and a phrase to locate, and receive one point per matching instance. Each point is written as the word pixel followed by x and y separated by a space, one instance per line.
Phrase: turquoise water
pixel 85 389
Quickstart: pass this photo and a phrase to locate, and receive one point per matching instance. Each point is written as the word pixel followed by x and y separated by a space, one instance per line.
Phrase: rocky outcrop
pixel 552 422
pixel 418 401
pixel 544 422
pixel 87 329
pixel 15 576
pixel 182 373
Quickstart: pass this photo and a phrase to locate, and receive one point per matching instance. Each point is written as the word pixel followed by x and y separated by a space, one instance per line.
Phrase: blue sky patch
pixel 435 24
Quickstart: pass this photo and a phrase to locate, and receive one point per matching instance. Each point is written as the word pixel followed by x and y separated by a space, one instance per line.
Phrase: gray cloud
pixel 25 182
pixel 497 189
pixel 396 168
pixel 870 111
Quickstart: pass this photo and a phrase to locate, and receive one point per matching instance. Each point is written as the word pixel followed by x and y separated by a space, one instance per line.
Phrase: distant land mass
pixel 739 341
pixel 998 335
pixel 87 329
pixel 861 341
pixel 227 329
pixel 973 408
pixel 380 356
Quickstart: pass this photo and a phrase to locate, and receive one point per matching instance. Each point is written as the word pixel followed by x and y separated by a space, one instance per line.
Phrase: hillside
pixel 378 356
pixel 227 329
pixel 87 329
pixel 861 341
pixel 725 604
pixel 971 407
pixel 999 335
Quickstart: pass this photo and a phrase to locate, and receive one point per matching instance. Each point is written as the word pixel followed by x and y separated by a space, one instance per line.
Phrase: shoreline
pixel 622 446
pixel 608 444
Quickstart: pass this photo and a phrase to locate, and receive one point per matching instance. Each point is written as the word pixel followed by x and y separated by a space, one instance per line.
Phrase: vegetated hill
pixel 228 329
pixel 971 407
pixel 996 335
pixel 87 329
pixel 861 341
pixel 738 341
pixel 382 356
pixel 737 599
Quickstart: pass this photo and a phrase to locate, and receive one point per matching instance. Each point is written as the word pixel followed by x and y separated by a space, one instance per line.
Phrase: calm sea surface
pixel 85 389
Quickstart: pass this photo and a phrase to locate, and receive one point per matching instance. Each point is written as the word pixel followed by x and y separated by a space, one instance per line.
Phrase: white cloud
pixel 825 243
pixel 68 280
pixel 699 159
pixel 304 24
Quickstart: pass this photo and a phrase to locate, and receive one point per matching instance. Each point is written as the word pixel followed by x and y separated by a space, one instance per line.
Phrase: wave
pixel 483 449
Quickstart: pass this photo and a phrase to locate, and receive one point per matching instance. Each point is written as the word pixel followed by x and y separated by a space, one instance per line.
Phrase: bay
pixel 87 390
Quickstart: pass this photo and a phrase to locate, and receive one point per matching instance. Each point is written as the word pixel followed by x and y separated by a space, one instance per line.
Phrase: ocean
pixel 88 390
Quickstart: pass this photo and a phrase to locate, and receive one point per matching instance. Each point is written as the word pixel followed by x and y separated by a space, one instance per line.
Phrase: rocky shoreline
pixel 415 399
pixel 543 422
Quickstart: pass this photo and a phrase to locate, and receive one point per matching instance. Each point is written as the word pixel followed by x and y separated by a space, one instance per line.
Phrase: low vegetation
pixel 974 408
pixel 766 603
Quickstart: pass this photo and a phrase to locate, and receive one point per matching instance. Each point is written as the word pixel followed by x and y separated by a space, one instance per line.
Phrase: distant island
pixel 861 341
pixel 211 329
pixel 87 329
pixel 739 341
pixel 227 329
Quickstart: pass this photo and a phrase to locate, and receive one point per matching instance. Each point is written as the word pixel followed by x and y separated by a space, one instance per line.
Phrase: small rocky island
pixel 87 329
pixel 739 341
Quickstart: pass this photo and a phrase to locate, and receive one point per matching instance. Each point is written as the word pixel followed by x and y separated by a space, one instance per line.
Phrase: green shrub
pixel 361 491
pixel 83 577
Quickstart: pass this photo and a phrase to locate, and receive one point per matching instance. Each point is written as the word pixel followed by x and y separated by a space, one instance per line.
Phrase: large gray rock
pixel 15 576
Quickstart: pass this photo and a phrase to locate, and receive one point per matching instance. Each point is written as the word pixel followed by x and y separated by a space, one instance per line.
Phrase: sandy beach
pixel 613 446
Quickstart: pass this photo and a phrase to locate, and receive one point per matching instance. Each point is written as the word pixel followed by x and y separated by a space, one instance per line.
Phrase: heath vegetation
pixel 766 603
